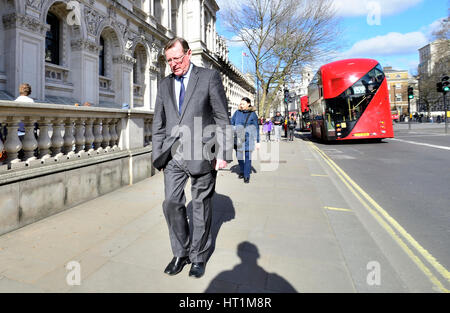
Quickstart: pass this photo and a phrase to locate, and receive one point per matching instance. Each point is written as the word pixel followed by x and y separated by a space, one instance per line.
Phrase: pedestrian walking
pixel 278 122
pixel 267 129
pixel 191 94
pixel 24 96
pixel 291 124
pixel 245 122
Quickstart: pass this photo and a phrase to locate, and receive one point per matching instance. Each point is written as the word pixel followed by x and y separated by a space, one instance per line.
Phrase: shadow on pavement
pixel 222 212
pixel 306 136
pixel 248 276
pixel 236 170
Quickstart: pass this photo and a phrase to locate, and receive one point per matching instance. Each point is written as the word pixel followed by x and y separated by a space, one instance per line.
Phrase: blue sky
pixel 404 27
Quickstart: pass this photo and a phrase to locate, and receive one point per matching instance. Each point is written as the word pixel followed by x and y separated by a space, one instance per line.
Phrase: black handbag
pixel 238 141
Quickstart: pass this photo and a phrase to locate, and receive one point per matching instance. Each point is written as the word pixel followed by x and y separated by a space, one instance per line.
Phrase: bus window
pixel 351 104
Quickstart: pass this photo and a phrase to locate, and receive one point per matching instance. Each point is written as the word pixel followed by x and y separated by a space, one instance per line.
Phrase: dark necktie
pixel 182 92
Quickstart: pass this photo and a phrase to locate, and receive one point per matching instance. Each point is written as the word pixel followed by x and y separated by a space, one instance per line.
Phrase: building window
pixel 52 40
pixel 398 97
pixel 135 69
pixel 398 86
pixel 157 10
pixel 101 58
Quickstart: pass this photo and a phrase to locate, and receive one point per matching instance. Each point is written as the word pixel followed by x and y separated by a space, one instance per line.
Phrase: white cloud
pixel 430 29
pixel 352 8
pixel 235 41
pixel 390 44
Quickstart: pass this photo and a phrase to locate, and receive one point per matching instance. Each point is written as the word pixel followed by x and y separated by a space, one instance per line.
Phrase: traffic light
pixel 286 95
pixel 410 92
pixel 445 84
pixel 439 87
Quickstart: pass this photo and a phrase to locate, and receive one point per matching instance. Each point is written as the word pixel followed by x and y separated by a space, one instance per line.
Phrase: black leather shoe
pixel 241 176
pixel 197 270
pixel 247 180
pixel 176 265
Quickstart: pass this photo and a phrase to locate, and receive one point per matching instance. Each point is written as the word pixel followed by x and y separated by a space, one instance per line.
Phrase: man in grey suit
pixel 191 139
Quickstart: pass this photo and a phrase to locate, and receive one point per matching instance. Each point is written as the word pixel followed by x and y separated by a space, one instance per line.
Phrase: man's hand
pixel 219 164
pixel 258 146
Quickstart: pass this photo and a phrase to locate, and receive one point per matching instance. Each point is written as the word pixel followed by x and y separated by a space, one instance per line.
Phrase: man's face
pixel 178 60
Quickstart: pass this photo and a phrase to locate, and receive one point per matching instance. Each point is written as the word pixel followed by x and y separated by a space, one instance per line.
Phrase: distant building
pixel 431 54
pixel 398 82
pixel 433 64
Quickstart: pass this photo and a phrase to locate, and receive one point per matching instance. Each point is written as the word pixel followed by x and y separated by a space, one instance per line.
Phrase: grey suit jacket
pixel 201 132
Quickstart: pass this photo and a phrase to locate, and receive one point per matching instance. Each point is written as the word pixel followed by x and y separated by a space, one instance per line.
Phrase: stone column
pixel 98 138
pixel 85 74
pixel 114 136
pixel 79 135
pixel 44 142
pixel 24 53
pixel 13 144
pixel 106 135
pixel 29 143
pixel 2 123
pixel 147 131
pixel 89 136
pixel 57 139
pixel 69 139
pixel 123 66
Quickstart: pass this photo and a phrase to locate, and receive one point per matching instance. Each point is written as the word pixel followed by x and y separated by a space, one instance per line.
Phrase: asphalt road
pixel 409 176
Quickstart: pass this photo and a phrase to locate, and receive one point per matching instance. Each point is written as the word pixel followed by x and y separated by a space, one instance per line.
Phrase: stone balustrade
pixel 66 156
pixel 60 133
pixel 56 73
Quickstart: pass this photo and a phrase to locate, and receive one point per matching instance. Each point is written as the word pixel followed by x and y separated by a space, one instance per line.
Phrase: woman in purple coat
pixel 267 128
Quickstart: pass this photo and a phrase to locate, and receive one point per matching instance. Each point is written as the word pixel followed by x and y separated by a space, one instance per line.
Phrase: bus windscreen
pixel 351 104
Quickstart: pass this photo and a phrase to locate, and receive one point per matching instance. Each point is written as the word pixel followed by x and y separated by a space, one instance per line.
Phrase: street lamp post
pixel 286 112
pixel 446 115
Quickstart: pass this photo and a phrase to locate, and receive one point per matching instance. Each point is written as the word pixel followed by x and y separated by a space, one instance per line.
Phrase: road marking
pixel 318 175
pixel 337 209
pixel 389 224
pixel 422 144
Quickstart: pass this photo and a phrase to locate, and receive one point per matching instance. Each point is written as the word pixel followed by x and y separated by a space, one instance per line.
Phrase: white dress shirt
pixel 185 82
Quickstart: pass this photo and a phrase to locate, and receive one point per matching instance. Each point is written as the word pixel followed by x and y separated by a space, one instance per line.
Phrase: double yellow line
pixel 390 225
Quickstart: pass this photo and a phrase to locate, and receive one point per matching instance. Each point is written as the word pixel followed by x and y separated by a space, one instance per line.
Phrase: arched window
pixel 52 40
pixel 101 58
pixel 135 69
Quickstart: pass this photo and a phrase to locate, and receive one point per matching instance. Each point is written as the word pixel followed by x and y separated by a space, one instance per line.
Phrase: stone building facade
pixel 398 82
pixel 106 52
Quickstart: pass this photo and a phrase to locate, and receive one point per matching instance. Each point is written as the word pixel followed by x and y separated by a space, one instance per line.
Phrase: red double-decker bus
pixel 304 117
pixel 349 99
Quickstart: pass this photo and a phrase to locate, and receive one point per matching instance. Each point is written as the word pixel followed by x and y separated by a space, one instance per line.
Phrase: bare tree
pixel 438 67
pixel 282 37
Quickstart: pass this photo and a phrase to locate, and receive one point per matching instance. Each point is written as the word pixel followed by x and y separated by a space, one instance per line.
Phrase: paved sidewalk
pixel 272 235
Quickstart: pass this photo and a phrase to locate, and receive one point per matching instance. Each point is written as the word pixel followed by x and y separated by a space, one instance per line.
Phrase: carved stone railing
pixel 68 155
pixel 105 84
pixel 60 133
pixel 138 90
pixel 56 74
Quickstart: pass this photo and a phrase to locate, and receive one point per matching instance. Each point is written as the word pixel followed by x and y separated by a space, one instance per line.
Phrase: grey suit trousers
pixel 174 207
